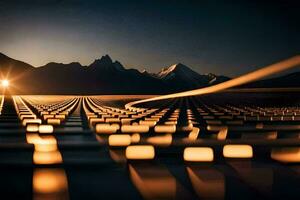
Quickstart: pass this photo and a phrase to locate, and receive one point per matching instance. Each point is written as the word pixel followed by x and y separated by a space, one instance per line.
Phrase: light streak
pixel 250 77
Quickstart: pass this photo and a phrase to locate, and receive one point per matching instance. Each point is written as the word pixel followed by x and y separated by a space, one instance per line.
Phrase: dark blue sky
pixel 227 38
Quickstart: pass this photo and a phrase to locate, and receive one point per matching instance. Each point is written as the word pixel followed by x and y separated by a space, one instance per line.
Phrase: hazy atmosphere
pixel 209 36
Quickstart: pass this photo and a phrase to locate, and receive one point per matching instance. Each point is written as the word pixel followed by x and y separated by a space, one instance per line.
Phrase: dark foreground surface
pixel 253 141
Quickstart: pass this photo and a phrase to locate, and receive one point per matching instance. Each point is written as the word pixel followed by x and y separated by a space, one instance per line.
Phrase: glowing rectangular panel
pixel 112 120
pixel 198 154
pixel 106 128
pixel 165 128
pixel 47 116
pixel 93 121
pixel 45 128
pixel 53 121
pixel 31 121
pixel 140 152
pixel 134 128
pixel 119 140
pixel 237 151
pixel 31 116
pixel 62 117
pixel 32 127
pixel 150 123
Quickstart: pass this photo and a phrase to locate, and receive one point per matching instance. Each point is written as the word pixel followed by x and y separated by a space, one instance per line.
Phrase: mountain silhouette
pixel 180 77
pixel 105 76
pixel 285 81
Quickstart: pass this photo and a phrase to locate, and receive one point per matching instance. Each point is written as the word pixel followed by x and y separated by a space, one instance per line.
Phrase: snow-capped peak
pixel 166 71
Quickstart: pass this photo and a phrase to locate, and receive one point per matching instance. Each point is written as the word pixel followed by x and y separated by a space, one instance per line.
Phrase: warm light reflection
pixel 50 184
pixel 156 182
pixel 252 174
pixel 140 152
pixel 198 154
pixel 237 151
pixel 208 183
pixel 118 155
pixel 193 135
pixel 52 157
pixel 5 83
pixel 222 133
pixel 163 140
pixel 286 154
pixel 45 149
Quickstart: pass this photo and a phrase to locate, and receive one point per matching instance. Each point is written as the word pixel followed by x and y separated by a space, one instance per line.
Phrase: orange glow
pixel 156 182
pixel 5 83
pixel 106 128
pixel 50 184
pixel 237 151
pixel 43 128
pixel 135 138
pixel 252 76
pixel 52 157
pixel 207 183
pixel 193 135
pixel 119 140
pixel 286 154
pixel 198 154
pixel 45 144
pixel 134 128
pixel 165 128
pixel 140 152
pixel 222 133
pixel 118 155
pixel 164 140
pixel 32 128
pixel 53 121
pixel 31 121
pixel 150 123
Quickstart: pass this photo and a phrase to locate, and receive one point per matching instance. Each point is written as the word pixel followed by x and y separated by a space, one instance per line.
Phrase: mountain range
pixel 105 76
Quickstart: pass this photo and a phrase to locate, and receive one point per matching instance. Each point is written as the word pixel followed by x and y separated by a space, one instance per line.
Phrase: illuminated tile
pixel 32 128
pixel 31 121
pixel 237 151
pixel 119 140
pixel 45 117
pixel 198 154
pixel 134 128
pixel 106 129
pixel 53 121
pixel 94 121
pixel 140 152
pixel 150 123
pixel 45 128
pixel 165 128
pixel 61 117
